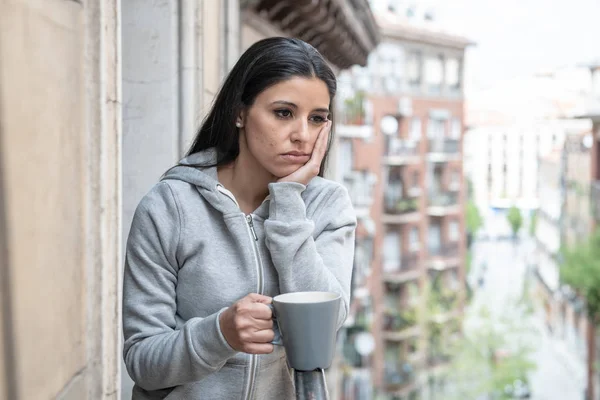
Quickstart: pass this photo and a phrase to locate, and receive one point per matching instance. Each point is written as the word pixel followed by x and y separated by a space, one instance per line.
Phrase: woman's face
pixel 281 127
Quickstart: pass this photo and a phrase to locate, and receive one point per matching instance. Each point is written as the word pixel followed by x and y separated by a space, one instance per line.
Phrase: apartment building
pixel 593 113
pixel 400 130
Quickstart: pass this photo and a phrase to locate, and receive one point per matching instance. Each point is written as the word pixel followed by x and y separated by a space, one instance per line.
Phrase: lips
pixel 296 153
pixel 296 157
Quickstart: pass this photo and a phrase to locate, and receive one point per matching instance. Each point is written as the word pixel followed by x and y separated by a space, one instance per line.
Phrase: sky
pixel 518 38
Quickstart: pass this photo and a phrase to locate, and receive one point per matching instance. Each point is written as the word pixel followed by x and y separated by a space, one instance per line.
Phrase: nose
pixel 301 131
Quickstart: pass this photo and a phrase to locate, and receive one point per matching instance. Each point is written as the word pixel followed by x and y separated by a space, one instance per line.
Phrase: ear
pixel 241 119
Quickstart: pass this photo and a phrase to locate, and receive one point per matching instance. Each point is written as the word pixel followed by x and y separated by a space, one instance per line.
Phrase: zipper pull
pixel 251 224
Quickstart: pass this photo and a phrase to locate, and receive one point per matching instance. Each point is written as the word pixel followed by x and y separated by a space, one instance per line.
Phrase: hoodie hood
pixel 206 181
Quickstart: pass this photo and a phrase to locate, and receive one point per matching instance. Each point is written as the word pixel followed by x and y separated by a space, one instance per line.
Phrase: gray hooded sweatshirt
pixel 192 252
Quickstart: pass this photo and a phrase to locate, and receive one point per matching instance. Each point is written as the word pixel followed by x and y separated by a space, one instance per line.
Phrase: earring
pixel 238 124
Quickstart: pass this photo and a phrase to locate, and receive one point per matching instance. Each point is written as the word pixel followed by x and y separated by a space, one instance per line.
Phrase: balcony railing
pixel 444 145
pixel 401 205
pixel 407 263
pixel 401 147
pixel 394 321
pixel 443 199
pixel 399 375
pixel 595 193
pixel 447 250
pixel 437 357
pixel 360 186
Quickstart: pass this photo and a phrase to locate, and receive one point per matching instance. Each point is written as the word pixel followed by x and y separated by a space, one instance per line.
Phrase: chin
pixel 284 171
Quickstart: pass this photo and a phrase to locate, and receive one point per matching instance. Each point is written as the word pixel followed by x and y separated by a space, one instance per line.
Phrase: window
pixel 452 74
pixel 391 251
pixel 416 181
pixel 436 128
pixel 344 158
pixel 434 69
pixel 434 238
pixel 415 129
pixel 414 68
pixel 414 242
pixel 454 231
pixel 456 128
pixel 391 85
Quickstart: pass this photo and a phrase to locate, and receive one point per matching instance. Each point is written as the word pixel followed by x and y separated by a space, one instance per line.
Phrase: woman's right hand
pixel 248 325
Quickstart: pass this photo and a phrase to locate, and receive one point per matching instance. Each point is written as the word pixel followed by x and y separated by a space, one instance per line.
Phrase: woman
pixel 244 217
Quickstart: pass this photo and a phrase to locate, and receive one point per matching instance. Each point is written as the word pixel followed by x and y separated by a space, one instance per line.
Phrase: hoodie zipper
pixel 259 288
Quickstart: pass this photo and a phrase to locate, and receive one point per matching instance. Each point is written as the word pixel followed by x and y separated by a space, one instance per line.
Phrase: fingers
pixel 261 324
pixel 259 298
pixel 321 144
pixel 258 348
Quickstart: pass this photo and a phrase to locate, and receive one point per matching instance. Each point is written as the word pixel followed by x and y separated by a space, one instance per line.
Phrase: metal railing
pixel 401 147
pixel 399 375
pixel 443 199
pixel 400 205
pixel 446 250
pixel 394 321
pixel 360 185
pixel 444 145
pixel 408 262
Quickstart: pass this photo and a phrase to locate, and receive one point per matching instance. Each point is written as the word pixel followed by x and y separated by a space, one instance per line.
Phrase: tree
pixel 533 224
pixel 515 219
pixel 473 221
pixel 580 269
pixel 493 355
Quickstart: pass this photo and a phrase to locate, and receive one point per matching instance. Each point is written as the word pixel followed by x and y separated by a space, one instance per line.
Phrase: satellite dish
pixel 588 141
pixel 364 343
pixel 389 125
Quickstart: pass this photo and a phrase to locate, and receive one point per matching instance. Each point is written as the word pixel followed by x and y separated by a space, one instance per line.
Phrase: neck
pixel 247 180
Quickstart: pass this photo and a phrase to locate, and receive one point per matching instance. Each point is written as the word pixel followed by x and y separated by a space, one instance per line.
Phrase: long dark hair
pixel 266 63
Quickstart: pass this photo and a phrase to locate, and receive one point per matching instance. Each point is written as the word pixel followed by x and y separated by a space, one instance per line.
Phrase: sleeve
pixel 304 262
pixel 157 354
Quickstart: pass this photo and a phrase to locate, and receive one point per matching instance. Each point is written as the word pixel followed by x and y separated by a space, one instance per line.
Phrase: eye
pixel 318 119
pixel 283 113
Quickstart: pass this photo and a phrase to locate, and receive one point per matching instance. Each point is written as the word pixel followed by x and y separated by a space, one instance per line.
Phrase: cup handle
pixel 277 340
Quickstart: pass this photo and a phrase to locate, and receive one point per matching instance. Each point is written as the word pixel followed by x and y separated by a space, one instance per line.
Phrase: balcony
pixel 399 376
pixel 399 208
pixel 353 120
pixel 443 203
pixel 445 256
pixel 401 152
pixel 444 149
pixel 360 185
pixel 400 325
pixel 595 200
pixel 405 270
pixel 437 358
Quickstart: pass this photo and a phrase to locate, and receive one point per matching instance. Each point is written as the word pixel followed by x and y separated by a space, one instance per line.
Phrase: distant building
pixel 400 139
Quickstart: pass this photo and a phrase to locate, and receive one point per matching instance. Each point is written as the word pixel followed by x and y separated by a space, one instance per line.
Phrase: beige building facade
pixel 60 131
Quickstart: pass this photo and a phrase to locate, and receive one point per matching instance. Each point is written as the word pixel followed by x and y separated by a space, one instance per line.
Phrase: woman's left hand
pixel 311 169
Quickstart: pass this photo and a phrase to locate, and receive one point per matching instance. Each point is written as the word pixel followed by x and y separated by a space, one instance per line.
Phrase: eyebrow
pixel 290 104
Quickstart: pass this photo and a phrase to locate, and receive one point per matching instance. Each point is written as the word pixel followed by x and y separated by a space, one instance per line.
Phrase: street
pixel 503 268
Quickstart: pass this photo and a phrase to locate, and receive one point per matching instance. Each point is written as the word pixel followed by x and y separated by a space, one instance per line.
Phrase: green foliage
pixel 489 358
pixel 473 218
pixel 468 262
pixel 515 219
pixel 354 108
pixel 580 269
pixel 406 205
pixel 533 224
